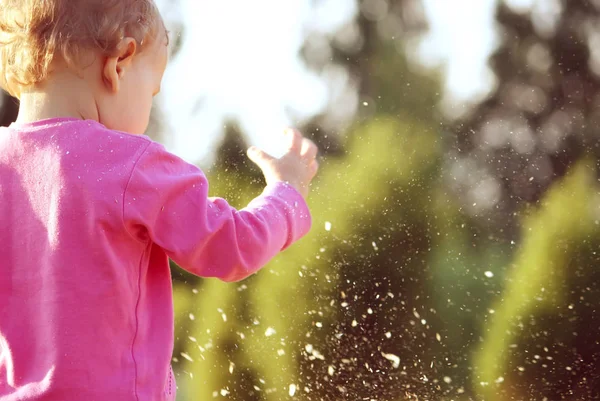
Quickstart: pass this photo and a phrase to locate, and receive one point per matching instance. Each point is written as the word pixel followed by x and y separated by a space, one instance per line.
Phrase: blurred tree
pixel 542 115
pixel 380 26
pixel 513 166
pixel 542 342
pixel 9 108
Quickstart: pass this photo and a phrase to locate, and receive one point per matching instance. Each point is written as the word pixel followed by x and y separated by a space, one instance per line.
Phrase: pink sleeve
pixel 166 201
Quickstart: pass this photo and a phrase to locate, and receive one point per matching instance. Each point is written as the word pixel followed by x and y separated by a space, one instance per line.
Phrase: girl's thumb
pixel 258 156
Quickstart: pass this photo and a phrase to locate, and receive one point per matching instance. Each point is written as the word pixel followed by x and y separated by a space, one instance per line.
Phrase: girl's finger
pixel 309 149
pixel 294 140
pixel 259 157
pixel 313 168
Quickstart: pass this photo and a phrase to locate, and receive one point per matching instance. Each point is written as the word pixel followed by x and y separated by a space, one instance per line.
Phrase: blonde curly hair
pixel 33 33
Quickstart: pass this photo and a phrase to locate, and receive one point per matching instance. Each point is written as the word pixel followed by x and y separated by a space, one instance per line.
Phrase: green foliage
pixel 278 309
pixel 552 235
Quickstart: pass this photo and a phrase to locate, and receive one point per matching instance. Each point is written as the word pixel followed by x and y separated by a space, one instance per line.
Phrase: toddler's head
pixel 109 55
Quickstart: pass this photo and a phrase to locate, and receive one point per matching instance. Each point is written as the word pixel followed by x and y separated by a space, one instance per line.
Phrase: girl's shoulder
pixel 77 146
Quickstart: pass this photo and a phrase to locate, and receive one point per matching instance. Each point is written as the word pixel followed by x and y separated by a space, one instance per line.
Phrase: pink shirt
pixel 88 220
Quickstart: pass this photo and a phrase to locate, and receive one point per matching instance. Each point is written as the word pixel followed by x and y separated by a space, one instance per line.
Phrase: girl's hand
pixel 298 166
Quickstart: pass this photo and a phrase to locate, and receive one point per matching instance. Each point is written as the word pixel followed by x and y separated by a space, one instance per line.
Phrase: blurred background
pixel 455 247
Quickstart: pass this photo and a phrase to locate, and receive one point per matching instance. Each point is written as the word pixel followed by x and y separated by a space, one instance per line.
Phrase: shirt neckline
pixel 45 122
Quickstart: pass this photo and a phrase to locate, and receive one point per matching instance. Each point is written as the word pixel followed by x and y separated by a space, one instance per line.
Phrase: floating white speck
pixel 354 323
pixel 231 367
pixel 192 339
pixel 447 380
pixel 280 352
pixel 365 103
pixel 270 331
pixel 330 370
pixel 292 390
pixel 374 246
pixel 395 359
pixel 186 356
pixel 192 317
pixel 317 355
pixel 438 337
pixel 313 353
pixel 499 380
pixel 224 392
pixel 489 274
pixel 319 324
pixel 388 335
pixel 327 226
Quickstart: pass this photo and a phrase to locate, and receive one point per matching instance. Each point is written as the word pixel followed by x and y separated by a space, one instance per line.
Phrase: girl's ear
pixel 114 67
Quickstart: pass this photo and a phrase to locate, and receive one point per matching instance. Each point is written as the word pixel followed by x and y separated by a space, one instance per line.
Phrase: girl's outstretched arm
pixel 166 203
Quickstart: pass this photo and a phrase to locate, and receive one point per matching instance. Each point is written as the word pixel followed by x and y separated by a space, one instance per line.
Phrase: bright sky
pixel 462 37
pixel 245 64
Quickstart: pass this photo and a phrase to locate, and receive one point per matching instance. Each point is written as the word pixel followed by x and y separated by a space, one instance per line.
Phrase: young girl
pixel 92 210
